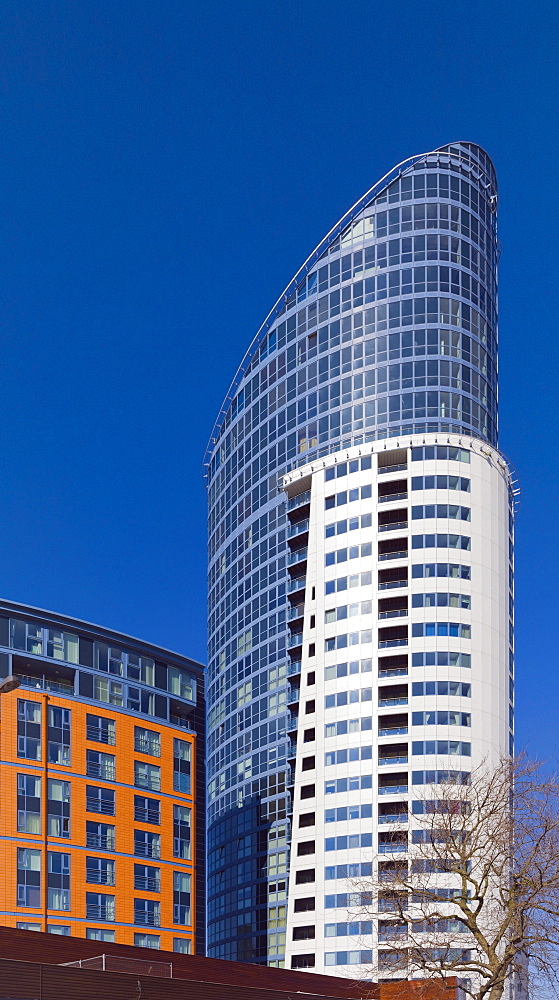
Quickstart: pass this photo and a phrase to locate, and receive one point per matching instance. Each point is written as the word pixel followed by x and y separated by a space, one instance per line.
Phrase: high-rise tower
pixel 360 565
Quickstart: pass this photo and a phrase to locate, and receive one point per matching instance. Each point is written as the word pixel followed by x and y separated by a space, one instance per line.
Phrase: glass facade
pixel 388 330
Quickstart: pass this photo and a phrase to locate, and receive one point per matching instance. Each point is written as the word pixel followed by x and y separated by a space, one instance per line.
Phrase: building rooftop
pixel 45 967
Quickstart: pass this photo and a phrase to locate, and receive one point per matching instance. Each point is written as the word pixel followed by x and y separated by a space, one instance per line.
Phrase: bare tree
pixel 477 896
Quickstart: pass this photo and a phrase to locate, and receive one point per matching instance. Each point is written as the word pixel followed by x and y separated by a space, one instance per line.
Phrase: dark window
pixel 86 653
pixel 147 844
pixel 397 487
pixel 182 821
pixel 29 729
pixel 100 871
pixel 393 517
pixel 147 878
pixel 307 791
pixel 304 876
pixel 309 707
pixel 99 906
pixel 302 962
pixel 58 881
pixel 304 905
pixel 101 729
pixel 58 808
pixel 147 810
pixel 147 741
pixel 28 877
pixel 304 933
pixel 396 634
pixel 100 836
pixel 308 763
pixel 181 898
pixel 306 847
pixel 307 819
pixel 393 577
pixel 28 803
pixel 147 912
pixel 392 607
pixel 59 735
pixel 309 736
pixel 100 800
pixel 100 765
pixel 182 752
pixel 100 934
pixel 392 548
pixel 147 775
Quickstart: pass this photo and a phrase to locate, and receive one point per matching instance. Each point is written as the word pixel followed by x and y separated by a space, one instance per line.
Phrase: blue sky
pixel 165 167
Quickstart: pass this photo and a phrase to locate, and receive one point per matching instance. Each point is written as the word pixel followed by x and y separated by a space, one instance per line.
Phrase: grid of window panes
pixel 115 676
pixel 392 330
pixel 100 870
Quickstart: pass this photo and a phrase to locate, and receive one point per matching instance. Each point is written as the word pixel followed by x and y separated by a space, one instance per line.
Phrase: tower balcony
pixel 297 556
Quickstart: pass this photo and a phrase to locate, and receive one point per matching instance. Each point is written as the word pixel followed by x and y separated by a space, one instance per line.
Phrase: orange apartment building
pixel 102 785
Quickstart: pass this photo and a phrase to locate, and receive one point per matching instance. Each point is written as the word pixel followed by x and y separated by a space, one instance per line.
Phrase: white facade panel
pixel 362 579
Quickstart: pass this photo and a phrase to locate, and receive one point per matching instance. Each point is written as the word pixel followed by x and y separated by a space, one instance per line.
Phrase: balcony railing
pixel 146 815
pixel 297 612
pixel 152 782
pixel 293 696
pixel 294 668
pixel 146 883
pixel 104 913
pixel 391 468
pixel 384 761
pixel 393 672
pixel 106 808
pixel 147 850
pixel 393 789
pixel 46 684
pixel 395 731
pixel 299 501
pixel 295 640
pixel 389 702
pixel 401 554
pixel 391 849
pixel 144 745
pixel 390 876
pixel 143 919
pixel 393 497
pixel 105 772
pixel 179 720
pixel 394 614
pixel 401 525
pixel 388 643
pixel 390 584
pixel 393 818
pixel 299 528
pixel 100 842
pixel 300 555
pixel 95 877
pixel 97 735
pixel 299 583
